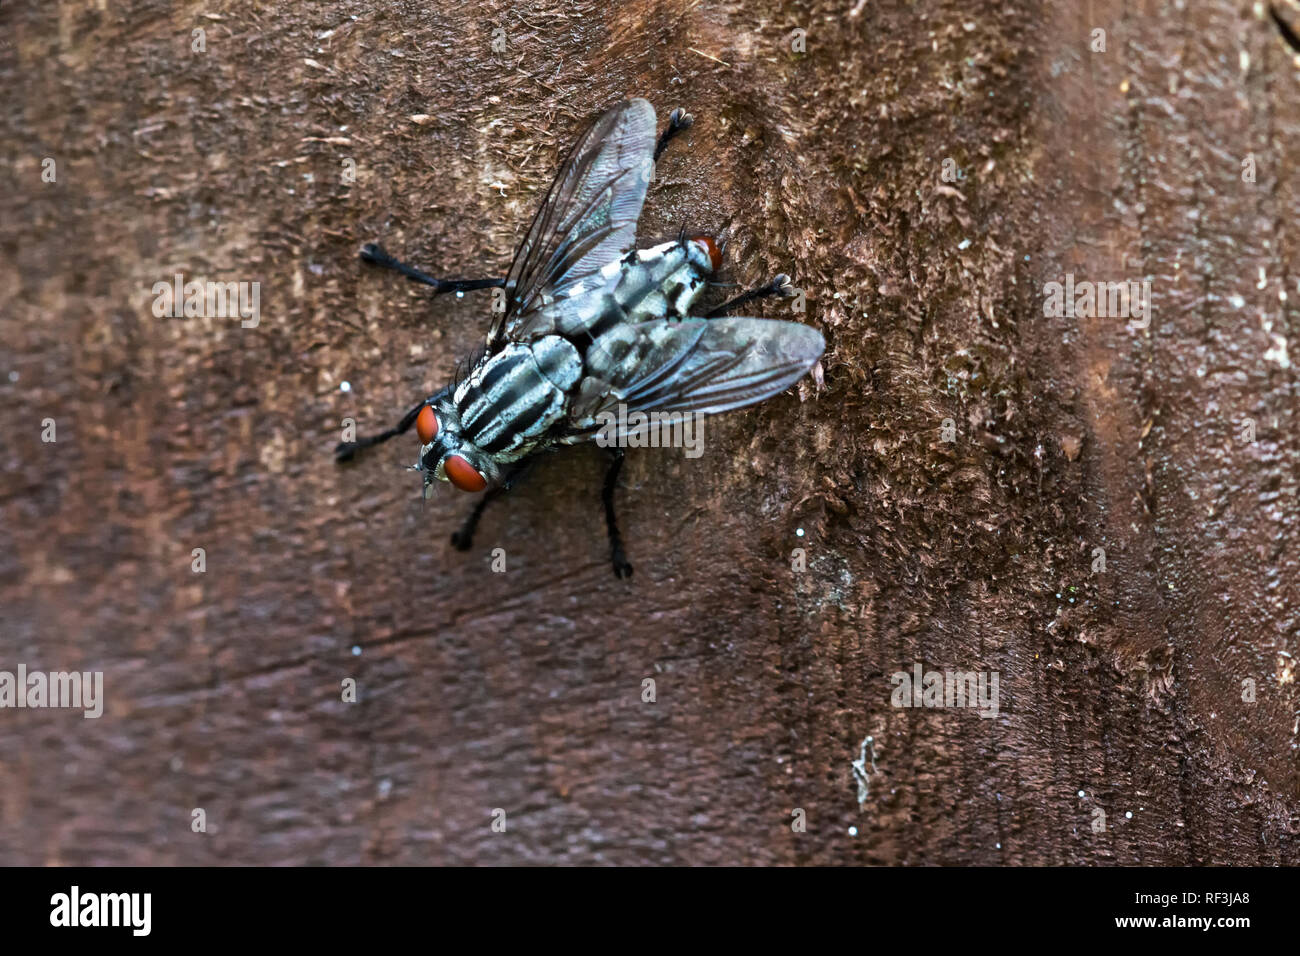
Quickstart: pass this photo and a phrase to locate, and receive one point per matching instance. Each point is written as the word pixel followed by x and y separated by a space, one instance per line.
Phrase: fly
pixel 593 327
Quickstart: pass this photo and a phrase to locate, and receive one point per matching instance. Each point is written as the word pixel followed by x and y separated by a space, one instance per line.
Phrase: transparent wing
pixel 693 365
pixel 587 219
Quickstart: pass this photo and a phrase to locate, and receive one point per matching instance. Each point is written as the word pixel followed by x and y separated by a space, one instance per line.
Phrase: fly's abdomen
pixel 660 282
pixel 644 285
pixel 509 402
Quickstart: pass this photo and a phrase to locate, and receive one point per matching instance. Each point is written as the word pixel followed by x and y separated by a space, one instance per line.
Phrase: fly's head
pixel 445 455
pixel 704 254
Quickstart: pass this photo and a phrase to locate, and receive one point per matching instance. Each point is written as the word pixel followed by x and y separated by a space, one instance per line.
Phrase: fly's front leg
pixel 678 122
pixel 347 450
pixel 373 252
pixel 463 539
pixel 779 286
pixel 622 569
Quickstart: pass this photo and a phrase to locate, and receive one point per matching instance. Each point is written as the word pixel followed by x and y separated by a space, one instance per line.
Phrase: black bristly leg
pixel 678 121
pixel 373 252
pixel 622 569
pixel 347 450
pixel 1288 34
pixel 463 539
pixel 778 286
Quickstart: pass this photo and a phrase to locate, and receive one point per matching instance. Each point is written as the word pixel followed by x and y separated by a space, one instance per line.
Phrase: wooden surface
pixel 523 690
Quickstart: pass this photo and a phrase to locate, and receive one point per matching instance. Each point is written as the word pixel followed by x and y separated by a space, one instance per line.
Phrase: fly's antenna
pixel 681 236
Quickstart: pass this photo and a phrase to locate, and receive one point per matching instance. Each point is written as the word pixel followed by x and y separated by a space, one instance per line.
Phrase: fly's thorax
pixel 509 401
pixel 663 281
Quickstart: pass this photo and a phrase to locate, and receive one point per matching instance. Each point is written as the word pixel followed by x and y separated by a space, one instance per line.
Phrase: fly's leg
pixel 1287 33
pixel 678 122
pixel 779 286
pixel 347 450
pixel 373 252
pixel 463 539
pixel 622 569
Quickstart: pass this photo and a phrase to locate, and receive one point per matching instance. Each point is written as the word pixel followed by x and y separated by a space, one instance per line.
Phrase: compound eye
pixel 711 247
pixel 462 474
pixel 426 424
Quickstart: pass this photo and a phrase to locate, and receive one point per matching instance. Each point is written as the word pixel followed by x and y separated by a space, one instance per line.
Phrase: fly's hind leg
pixel 781 286
pixel 622 568
pixel 678 122
pixel 374 253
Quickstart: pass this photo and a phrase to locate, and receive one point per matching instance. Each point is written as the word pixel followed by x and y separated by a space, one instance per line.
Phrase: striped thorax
pixel 502 410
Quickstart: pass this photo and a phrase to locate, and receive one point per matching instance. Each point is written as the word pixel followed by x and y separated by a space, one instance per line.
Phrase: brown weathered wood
pixel 522 690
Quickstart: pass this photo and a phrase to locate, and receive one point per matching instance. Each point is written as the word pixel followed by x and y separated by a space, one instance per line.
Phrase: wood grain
pixel 523 690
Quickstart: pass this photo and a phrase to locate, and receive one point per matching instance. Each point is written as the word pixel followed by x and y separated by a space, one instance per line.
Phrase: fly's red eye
pixel 462 474
pixel 426 424
pixel 711 247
